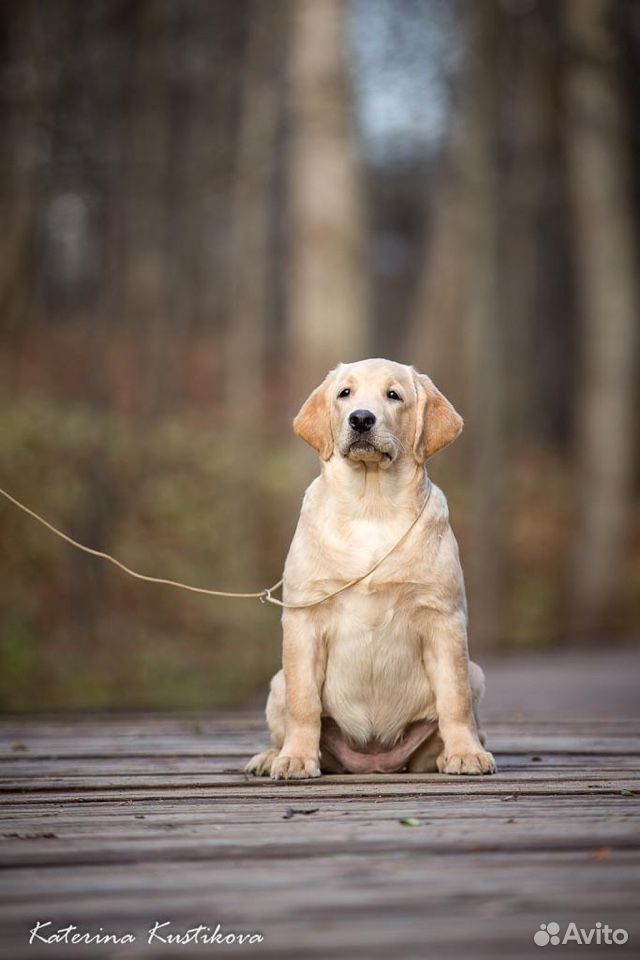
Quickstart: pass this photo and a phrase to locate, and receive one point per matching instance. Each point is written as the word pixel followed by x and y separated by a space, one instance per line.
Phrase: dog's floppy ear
pixel 313 422
pixel 437 422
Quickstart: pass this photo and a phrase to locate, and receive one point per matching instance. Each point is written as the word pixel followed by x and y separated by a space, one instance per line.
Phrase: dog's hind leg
pixel 424 760
pixel 260 765
pixel 476 682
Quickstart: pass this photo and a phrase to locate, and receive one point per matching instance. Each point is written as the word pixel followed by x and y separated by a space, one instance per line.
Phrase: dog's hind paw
pixel 260 765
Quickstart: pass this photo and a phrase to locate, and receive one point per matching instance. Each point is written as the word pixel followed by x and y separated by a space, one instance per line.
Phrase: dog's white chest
pixel 375 683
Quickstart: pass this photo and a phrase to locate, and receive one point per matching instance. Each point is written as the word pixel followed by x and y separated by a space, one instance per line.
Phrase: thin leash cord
pixel 356 580
pixel 264 596
pixel 132 573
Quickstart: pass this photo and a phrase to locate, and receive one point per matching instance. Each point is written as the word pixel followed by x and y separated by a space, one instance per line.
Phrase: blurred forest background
pixel 205 205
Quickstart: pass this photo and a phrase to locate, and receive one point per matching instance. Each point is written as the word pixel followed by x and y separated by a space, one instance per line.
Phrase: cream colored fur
pixel 392 649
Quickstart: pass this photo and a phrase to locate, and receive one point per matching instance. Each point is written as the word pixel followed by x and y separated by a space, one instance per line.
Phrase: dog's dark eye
pixel 392 395
pixel 344 393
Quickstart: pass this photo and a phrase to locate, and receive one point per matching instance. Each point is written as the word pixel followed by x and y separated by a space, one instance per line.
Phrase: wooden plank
pixel 571 750
pixel 548 764
pixel 434 876
pixel 183 785
pixel 133 895
pixel 437 804
pixel 220 844
pixel 111 768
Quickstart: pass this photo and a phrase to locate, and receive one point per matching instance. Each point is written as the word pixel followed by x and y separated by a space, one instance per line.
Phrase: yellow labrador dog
pixel 377 678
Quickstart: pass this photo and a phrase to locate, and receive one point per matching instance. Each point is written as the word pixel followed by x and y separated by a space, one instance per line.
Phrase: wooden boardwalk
pixel 119 822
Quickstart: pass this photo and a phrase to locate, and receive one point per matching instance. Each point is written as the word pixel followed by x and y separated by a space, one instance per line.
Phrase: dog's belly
pixel 375 682
pixel 374 757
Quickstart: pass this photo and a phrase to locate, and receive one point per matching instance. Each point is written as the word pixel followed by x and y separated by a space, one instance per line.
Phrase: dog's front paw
pixel 469 764
pixel 294 768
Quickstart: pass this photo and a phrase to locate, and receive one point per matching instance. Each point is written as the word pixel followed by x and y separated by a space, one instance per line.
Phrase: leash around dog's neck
pixel 264 596
pixel 352 583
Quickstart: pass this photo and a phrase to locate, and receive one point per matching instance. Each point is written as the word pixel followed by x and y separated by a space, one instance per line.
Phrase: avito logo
pixel 549 933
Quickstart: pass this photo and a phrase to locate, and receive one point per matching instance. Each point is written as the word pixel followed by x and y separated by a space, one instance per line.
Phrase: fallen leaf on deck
pixel 602 854
pixel 409 822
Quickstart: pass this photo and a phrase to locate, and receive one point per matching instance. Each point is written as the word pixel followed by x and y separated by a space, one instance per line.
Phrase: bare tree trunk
pixel 485 342
pixel 438 320
pixel 438 315
pixel 326 289
pixel 33 39
pixel 251 286
pixel 605 259
pixel 531 104
pixel 250 301
pixel 456 329
pixel 145 293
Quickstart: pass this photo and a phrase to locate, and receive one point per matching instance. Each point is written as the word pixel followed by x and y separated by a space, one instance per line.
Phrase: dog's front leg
pixel 303 665
pixel 447 663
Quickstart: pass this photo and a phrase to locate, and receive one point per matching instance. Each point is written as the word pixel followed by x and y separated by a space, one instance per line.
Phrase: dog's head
pixel 377 411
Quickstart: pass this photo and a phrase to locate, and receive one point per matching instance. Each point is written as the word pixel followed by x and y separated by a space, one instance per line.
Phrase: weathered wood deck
pixel 118 822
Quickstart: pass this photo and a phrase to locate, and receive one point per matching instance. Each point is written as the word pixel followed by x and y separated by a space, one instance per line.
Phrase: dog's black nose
pixel 361 420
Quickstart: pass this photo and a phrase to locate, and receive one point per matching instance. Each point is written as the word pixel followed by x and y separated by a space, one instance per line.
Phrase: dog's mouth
pixel 367 452
pixel 363 447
